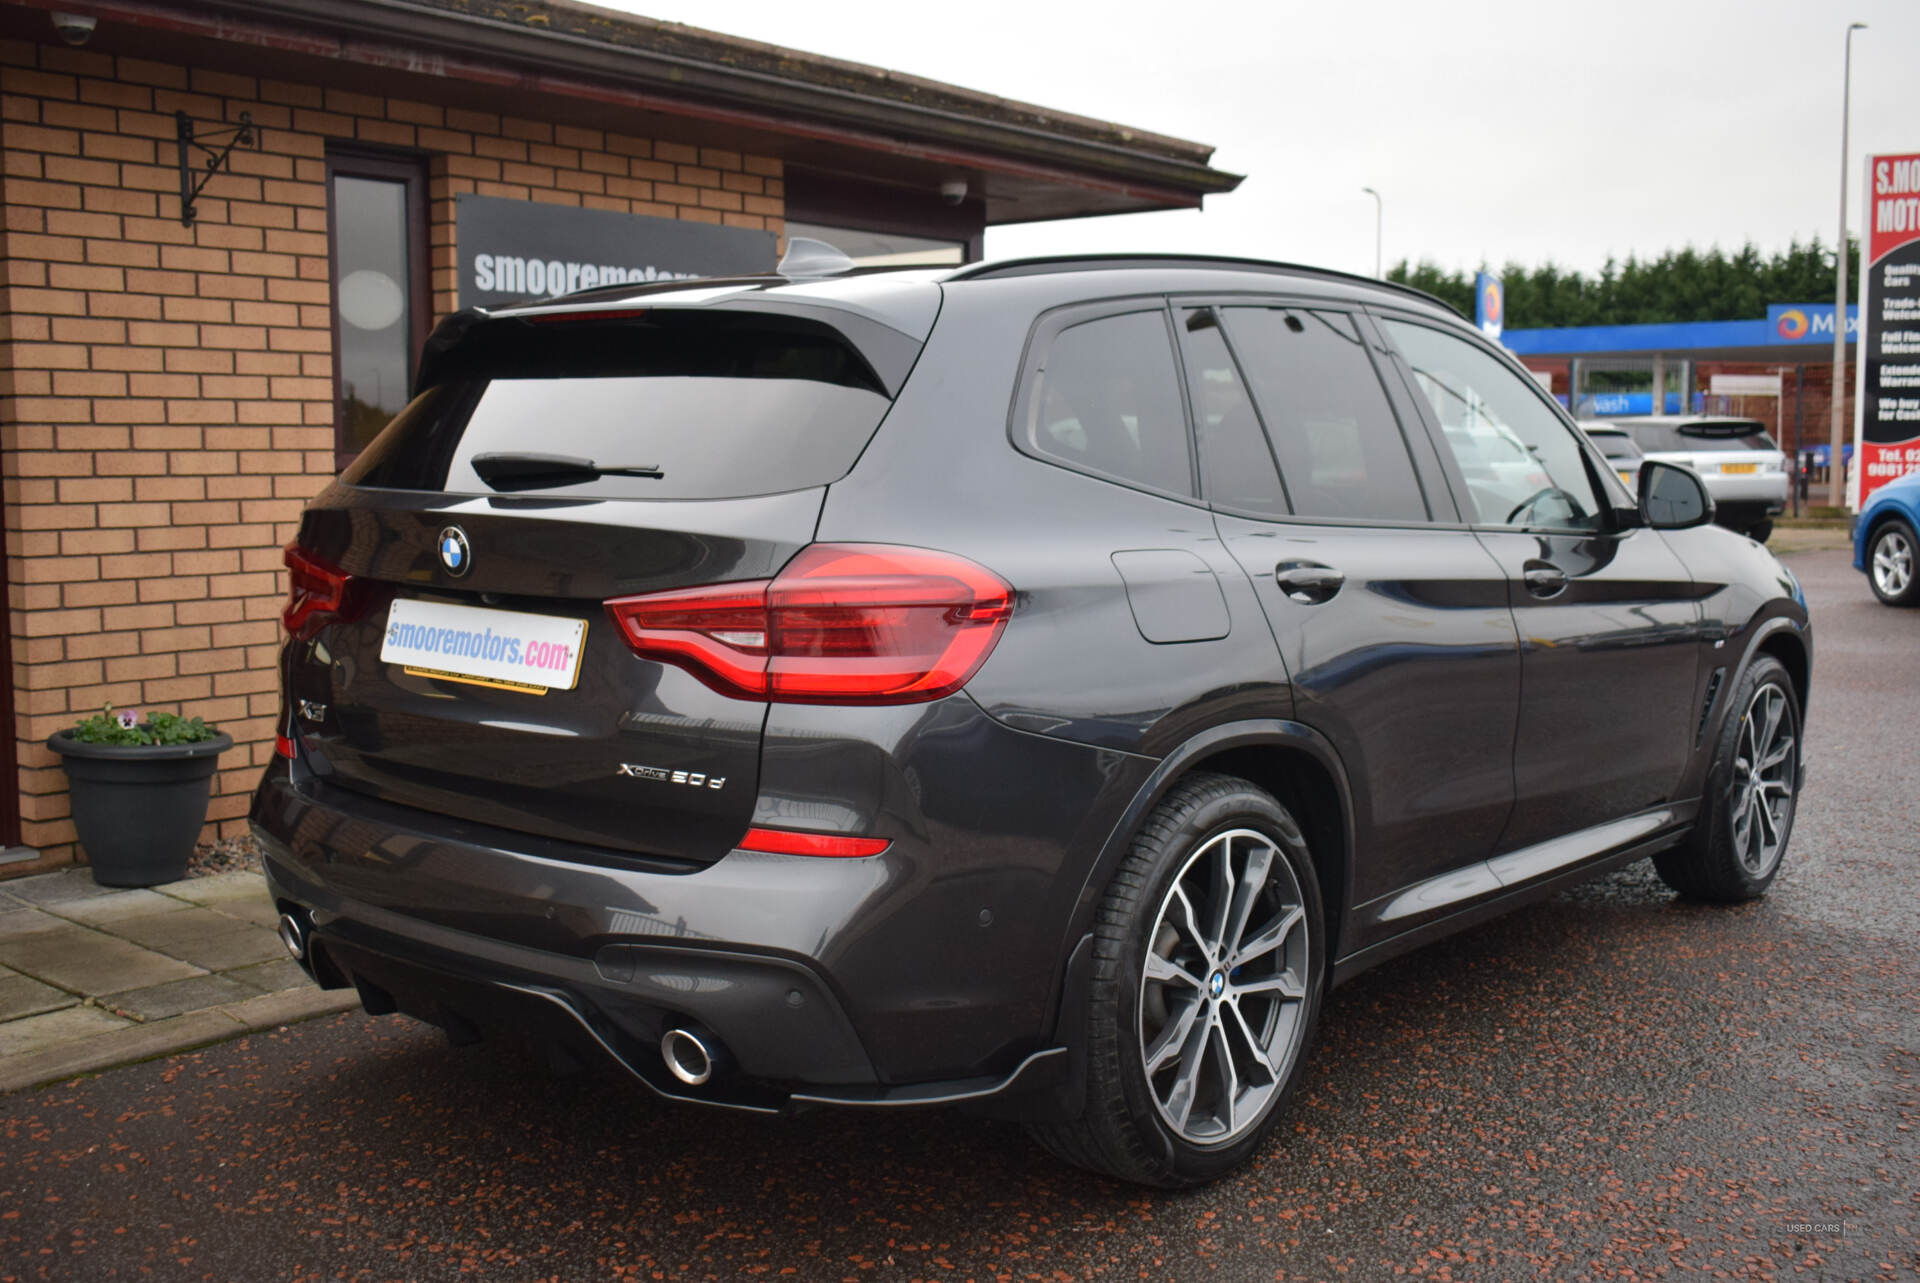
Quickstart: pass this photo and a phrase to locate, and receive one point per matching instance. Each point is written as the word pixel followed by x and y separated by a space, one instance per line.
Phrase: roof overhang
pixel 579 64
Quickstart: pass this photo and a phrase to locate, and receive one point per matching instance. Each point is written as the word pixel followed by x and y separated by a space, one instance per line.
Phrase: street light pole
pixel 1836 473
pixel 1377 210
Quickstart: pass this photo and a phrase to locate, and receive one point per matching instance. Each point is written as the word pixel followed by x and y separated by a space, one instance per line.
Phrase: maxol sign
pixel 1808 322
pixel 1489 304
pixel 1886 424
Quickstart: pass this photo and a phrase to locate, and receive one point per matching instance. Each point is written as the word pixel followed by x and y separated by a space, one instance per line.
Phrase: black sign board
pixel 517 249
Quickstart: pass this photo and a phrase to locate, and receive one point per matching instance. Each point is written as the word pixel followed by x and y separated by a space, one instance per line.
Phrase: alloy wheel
pixel 1765 768
pixel 1892 563
pixel 1223 988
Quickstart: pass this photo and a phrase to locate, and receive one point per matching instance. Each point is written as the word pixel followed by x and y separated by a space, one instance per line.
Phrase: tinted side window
pixel 1235 463
pixel 1339 446
pixel 1522 465
pixel 1107 400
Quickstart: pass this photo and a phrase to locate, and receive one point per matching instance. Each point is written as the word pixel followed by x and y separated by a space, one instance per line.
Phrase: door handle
pixel 1544 579
pixel 1308 582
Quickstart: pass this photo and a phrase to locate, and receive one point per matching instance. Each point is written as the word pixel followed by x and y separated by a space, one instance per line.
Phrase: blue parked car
pixel 1885 545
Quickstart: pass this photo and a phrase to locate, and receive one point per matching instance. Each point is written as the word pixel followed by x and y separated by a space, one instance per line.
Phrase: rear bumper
pixel 469 998
pixel 1763 491
pixel 1740 514
pixel 928 973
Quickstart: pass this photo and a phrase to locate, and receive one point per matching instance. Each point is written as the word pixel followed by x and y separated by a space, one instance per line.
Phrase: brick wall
pixel 166 392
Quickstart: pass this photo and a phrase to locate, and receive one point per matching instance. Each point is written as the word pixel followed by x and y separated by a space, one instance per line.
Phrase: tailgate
pixel 618 751
pixel 451 650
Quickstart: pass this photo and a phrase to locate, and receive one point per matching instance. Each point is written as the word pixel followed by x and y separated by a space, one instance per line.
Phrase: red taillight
pixel 316 594
pixel 788 842
pixel 841 624
pixel 283 747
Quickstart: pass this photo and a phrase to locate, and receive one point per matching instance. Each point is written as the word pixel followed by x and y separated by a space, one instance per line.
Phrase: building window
pixel 377 220
pixel 883 249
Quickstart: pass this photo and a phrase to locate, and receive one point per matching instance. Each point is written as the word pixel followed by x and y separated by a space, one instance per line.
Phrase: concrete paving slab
pixel 136 1042
pixel 203 937
pixel 27 922
pixel 22 996
pixel 240 947
pixel 272 977
pixel 38 1033
pixel 176 997
pixel 166 968
pixel 165 1037
pixel 259 913
pixel 100 909
pixel 221 888
pixel 271 1009
pixel 58 888
pixel 181 923
pixel 87 961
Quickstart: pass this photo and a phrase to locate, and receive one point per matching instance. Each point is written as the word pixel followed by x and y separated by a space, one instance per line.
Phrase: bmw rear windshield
pixel 1702 436
pixel 661 404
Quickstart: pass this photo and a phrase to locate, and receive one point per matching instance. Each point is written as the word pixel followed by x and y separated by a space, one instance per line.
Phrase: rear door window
pixel 717 407
pixel 1106 399
pixel 1333 431
pixel 1235 462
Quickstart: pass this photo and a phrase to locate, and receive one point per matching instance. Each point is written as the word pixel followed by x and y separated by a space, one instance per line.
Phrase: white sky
pixel 1494 130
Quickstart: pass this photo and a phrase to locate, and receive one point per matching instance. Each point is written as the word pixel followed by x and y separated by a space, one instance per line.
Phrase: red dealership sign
pixel 1887 407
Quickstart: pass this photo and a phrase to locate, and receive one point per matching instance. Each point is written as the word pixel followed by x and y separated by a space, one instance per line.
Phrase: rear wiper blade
pixel 539 471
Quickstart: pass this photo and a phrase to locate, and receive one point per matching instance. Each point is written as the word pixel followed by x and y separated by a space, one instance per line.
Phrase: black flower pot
pixel 138 807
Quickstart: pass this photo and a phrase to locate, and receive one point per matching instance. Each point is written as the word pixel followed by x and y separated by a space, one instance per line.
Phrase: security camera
pixel 953 191
pixel 74 28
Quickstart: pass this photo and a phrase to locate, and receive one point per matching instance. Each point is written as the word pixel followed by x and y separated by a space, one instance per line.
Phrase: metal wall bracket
pixel 216 144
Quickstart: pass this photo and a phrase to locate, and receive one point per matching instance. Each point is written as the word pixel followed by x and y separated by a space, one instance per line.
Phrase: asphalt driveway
pixel 1613 1084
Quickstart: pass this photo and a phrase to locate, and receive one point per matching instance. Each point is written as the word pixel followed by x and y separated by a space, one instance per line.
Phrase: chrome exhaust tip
pixel 688 1056
pixel 293 934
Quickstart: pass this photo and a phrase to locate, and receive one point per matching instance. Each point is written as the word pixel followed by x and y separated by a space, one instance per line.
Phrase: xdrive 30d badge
pixel 1103 658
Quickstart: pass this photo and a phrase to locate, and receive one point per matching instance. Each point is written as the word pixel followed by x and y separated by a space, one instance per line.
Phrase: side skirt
pixel 1549 868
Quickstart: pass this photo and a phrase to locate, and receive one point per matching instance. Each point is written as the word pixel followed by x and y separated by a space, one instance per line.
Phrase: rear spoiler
pixel 478 339
pixel 1724 428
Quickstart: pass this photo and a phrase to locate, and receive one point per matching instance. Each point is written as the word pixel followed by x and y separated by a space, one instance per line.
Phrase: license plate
pixel 1740 467
pixel 506 649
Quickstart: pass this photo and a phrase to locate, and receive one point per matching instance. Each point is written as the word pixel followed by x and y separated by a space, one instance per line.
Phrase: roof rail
pixel 1040 264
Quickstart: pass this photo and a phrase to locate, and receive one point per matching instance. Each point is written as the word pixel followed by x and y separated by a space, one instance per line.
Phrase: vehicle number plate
pixel 507 649
pixel 1740 467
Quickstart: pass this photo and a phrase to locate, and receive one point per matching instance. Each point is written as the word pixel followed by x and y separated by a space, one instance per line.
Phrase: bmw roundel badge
pixel 455 553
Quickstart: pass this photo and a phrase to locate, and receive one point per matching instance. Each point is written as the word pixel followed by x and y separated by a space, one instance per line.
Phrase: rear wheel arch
pixel 1308 787
pixel 1288 759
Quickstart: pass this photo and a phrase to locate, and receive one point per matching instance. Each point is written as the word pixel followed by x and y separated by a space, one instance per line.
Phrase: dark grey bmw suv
pixel 1030 685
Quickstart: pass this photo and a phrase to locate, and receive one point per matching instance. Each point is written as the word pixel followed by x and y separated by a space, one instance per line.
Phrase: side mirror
pixel 1673 497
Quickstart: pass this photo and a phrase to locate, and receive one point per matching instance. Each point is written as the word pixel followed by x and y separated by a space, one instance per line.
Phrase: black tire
pixel 1760 531
pixel 1123 1132
pixel 1719 860
pixel 1894 546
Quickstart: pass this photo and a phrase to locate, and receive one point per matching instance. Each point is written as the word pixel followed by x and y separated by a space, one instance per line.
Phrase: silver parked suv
pixel 1744 468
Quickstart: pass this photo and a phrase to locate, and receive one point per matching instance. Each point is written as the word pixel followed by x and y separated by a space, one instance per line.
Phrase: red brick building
pixel 177 383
